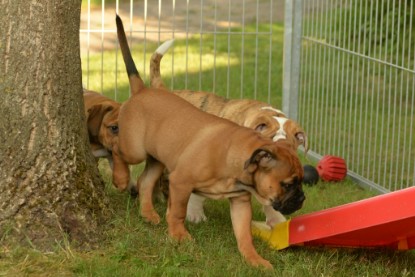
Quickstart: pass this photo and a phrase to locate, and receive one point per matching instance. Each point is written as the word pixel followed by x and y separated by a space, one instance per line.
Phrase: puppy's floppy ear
pixel 296 134
pixel 260 158
pixel 301 138
pixel 263 124
pixel 95 116
pixel 259 123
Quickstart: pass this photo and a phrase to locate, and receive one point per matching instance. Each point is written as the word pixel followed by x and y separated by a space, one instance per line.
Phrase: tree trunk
pixel 50 187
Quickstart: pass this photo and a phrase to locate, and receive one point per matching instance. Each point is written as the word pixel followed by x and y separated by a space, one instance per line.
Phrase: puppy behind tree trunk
pixel 102 121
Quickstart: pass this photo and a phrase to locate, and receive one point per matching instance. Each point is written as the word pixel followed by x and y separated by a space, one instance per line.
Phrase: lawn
pixel 135 248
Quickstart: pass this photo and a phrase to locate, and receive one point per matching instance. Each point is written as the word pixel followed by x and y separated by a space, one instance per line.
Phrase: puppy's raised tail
pixel 136 83
pixel 155 77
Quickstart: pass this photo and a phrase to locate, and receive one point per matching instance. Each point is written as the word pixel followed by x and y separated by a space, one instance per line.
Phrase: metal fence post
pixel 292 53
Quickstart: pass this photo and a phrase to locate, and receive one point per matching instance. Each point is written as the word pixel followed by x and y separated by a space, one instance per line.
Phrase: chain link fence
pixel 353 87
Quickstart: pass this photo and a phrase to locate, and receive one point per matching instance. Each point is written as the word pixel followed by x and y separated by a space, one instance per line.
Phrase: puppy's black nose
pixel 277 205
pixel 290 204
pixel 289 208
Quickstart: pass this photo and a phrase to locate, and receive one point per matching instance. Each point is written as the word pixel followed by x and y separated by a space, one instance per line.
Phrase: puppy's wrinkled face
pixel 102 123
pixel 277 175
pixel 272 123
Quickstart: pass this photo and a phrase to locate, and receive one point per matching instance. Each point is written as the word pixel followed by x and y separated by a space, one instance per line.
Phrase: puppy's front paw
pixel 258 261
pixel 151 216
pixel 181 236
pixel 272 221
pixel 195 212
pixel 273 217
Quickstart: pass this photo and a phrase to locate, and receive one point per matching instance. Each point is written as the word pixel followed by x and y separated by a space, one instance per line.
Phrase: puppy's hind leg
pixel 176 210
pixel 146 184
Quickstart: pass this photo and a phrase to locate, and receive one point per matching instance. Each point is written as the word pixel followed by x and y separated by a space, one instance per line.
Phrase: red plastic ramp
pixel 383 221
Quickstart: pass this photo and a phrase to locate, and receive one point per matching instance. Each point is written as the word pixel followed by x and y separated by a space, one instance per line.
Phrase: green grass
pixel 135 248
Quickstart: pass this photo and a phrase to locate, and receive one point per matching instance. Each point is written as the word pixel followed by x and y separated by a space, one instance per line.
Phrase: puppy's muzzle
pixel 292 201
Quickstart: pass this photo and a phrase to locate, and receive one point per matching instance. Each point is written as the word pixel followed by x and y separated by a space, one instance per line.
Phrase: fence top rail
pixel 359 55
pixel 176 31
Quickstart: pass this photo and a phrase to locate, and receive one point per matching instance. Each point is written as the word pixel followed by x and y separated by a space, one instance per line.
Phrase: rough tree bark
pixel 50 188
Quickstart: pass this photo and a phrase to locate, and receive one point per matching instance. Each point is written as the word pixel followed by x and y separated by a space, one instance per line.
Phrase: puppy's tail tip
pixel 155 78
pixel 136 83
pixel 118 19
pixel 162 49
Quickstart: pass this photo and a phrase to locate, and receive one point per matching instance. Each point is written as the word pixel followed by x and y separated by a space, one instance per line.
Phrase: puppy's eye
pixel 261 127
pixel 268 156
pixel 113 129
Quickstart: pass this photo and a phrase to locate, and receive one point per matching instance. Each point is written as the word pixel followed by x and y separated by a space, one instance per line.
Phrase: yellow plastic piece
pixel 403 244
pixel 277 237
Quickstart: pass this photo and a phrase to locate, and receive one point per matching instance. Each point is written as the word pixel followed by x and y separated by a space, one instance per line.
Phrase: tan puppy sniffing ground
pixel 102 121
pixel 204 154
pixel 253 114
